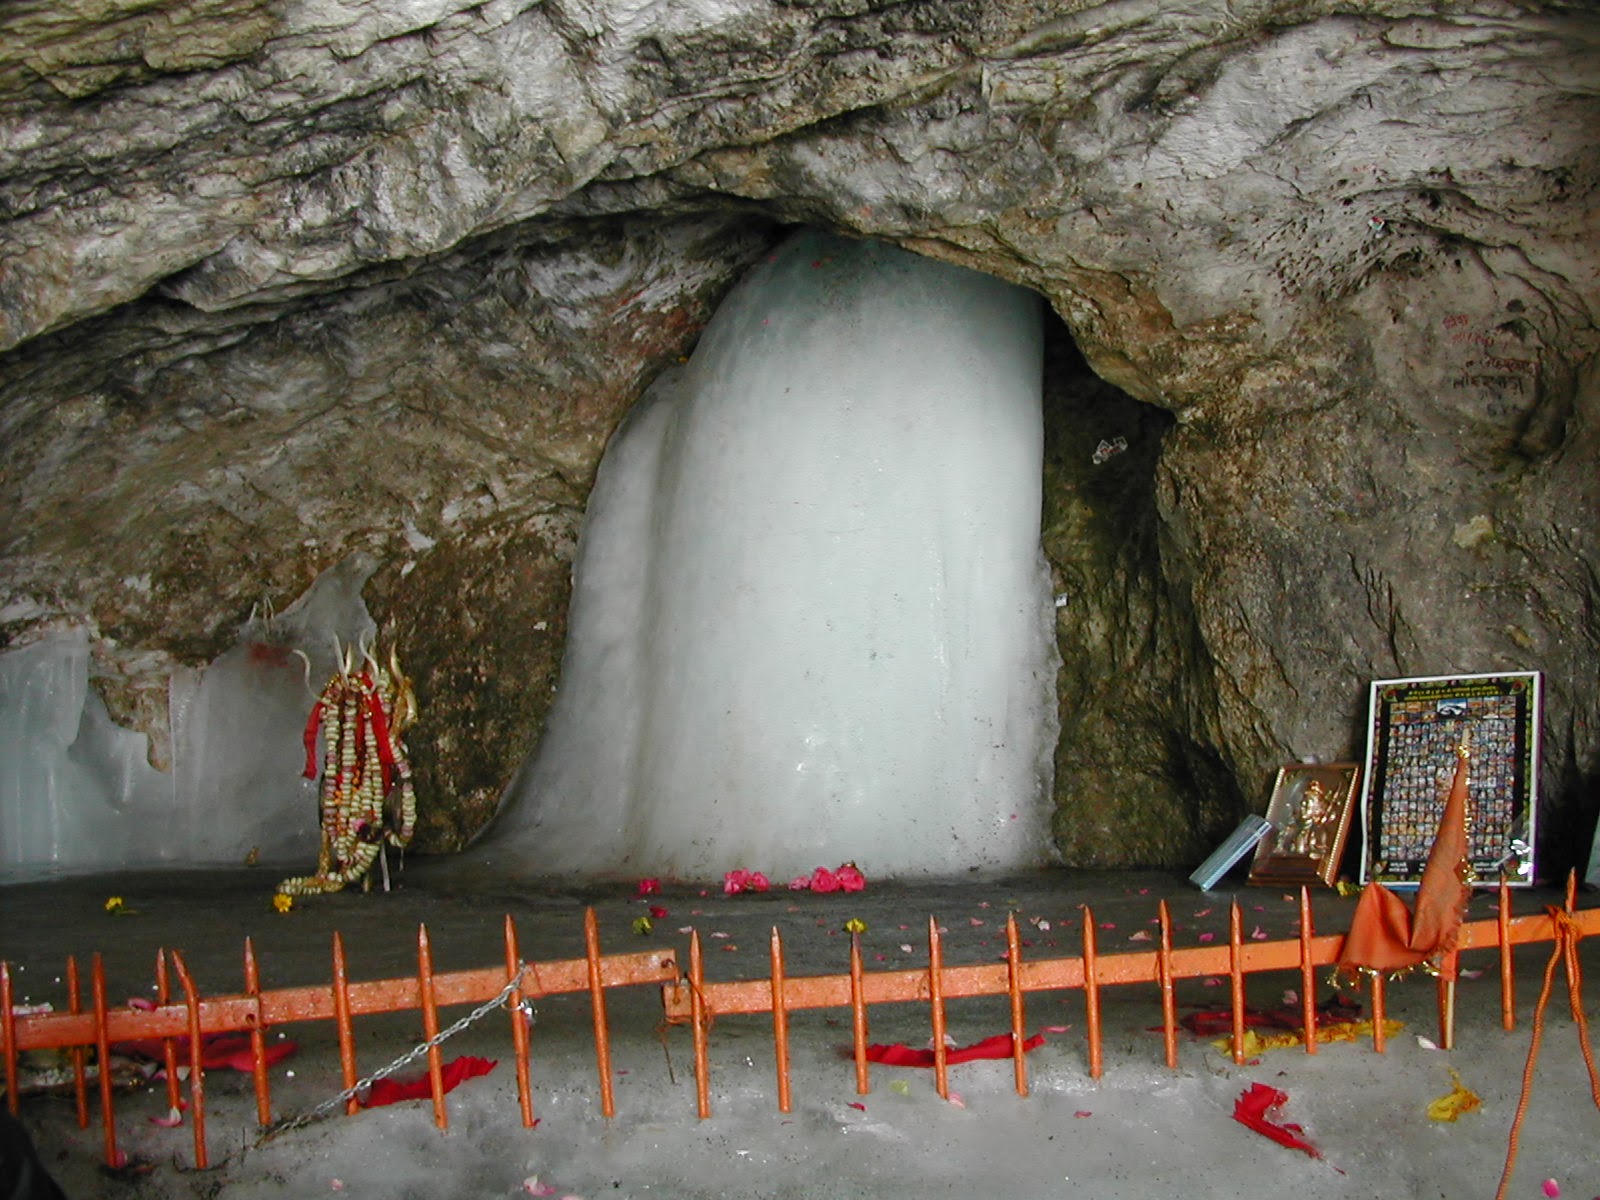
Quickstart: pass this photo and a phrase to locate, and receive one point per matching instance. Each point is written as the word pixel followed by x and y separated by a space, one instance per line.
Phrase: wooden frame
pixel 1311 809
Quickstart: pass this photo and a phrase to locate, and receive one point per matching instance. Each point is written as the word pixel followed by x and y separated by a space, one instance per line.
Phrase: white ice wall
pixel 77 792
pixel 811 619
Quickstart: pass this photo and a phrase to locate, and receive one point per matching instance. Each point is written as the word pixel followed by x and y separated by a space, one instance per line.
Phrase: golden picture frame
pixel 1312 807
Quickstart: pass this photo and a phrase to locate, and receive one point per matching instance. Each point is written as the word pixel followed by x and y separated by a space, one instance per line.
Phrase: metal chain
pixel 410 1056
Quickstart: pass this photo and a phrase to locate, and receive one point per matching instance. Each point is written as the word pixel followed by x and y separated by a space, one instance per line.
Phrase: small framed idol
pixel 1413 731
pixel 1312 808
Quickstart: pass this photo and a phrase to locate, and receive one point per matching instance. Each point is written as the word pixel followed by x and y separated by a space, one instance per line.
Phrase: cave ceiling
pixel 284 282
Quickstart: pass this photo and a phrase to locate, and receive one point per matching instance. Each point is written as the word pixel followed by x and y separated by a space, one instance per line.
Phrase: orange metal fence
pixel 690 999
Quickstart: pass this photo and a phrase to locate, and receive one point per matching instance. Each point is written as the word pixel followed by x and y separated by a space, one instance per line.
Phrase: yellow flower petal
pixel 1460 1099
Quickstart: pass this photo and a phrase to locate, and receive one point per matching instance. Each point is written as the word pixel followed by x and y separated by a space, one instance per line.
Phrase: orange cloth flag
pixel 1385 935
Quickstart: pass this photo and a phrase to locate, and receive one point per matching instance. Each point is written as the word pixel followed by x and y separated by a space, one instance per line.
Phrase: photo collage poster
pixel 1415 727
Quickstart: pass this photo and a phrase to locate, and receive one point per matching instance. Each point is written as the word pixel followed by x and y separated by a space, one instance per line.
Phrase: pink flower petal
pixel 1208 937
pixel 850 878
pixel 856 1105
pixel 1551 1188
pixel 1142 936
pixel 1083 1112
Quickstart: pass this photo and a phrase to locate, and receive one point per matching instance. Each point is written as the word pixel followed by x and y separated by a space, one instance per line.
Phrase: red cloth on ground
pixel 1252 1108
pixel 998 1046
pixel 417 1087
pixel 217 1050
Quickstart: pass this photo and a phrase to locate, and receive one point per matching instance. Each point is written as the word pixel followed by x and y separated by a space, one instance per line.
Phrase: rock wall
pixel 284 282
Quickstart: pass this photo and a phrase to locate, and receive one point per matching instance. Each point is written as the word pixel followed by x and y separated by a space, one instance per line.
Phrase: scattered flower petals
pixel 1142 936
pixel 1044 926
pixel 1208 937
pixel 1057 1028
pixel 642 925
pixel 1427 1043
pixel 283 902
pixel 657 911
pixel 906 947
pixel 855 925
pixel 1551 1188
pixel 1474 973
pixel 976 921
pixel 1258 934
pixel 172 1120
pixel 649 887
pixel 118 907
pixel 859 1106
pixel 685 928
pixel 1290 997
pixel 1083 1112
pixel 824 880
pixel 718 934
pixel 955 1099
pixel 1108 924
pixel 1213 981
pixel 850 878
pixel 1462 1099
pixel 1204 912
pixel 800 883
pixel 533 1187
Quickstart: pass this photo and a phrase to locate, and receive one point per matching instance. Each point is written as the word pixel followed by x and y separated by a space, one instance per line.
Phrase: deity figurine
pixel 1308 832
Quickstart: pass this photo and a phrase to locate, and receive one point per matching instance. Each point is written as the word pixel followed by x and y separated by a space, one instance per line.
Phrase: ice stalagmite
pixel 811 618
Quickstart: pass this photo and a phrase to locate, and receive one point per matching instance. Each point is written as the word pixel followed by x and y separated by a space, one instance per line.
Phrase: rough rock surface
pixel 280 282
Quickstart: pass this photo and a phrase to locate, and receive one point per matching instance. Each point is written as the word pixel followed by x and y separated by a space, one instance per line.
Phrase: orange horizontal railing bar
pixel 237 1013
pixel 1047 974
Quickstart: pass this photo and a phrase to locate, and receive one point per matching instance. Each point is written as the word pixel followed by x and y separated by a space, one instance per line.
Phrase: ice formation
pixel 77 791
pixel 811 619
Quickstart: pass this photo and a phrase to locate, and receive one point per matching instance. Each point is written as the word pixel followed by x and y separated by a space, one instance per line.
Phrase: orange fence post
pixel 102 1045
pixel 1019 1032
pixel 1508 984
pixel 80 1074
pixel 258 1037
pixel 780 1023
pixel 1169 1000
pixel 1091 990
pixel 858 1015
pixel 169 1046
pixel 197 1070
pixel 1236 977
pixel 941 1068
pixel 341 1021
pixel 430 1026
pixel 597 996
pixel 1308 975
pixel 1380 1010
pixel 698 1018
pixel 519 1023
pixel 8 1023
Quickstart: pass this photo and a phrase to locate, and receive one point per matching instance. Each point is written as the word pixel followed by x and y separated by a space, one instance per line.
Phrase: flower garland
pixel 367 800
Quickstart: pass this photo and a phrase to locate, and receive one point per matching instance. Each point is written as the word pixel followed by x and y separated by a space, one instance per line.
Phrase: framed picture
pixel 1414 728
pixel 1311 810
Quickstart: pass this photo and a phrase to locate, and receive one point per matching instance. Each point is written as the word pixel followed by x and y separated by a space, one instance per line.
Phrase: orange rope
pixel 1565 950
